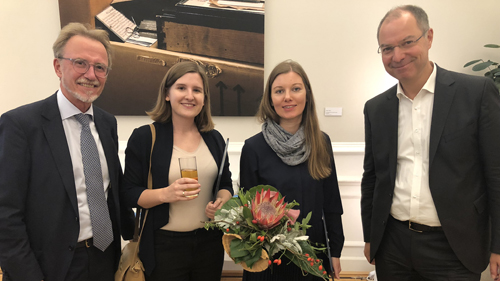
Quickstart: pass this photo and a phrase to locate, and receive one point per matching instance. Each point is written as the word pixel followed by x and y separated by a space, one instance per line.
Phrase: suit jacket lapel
pixel 107 141
pixel 56 138
pixel 443 98
pixel 392 109
pixel 109 145
pixel 160 162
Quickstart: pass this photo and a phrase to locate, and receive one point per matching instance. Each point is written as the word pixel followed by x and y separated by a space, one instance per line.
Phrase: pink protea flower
pixel 267 211
pixel 293 215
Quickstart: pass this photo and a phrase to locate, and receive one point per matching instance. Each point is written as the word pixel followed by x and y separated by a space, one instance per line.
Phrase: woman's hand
pixel 222 197
pixel 182 189
pixel 177 191
pixel 336 267
pixel 212 207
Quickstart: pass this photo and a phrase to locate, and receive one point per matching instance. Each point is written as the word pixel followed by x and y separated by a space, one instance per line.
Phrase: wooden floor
pixel 236 275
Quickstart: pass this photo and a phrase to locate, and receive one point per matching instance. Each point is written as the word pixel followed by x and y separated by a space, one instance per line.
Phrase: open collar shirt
pixel 412 198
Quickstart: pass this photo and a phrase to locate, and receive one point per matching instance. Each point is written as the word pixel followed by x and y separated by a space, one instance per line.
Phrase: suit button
pixel 71 248
pixel 383 222
pixel 76 218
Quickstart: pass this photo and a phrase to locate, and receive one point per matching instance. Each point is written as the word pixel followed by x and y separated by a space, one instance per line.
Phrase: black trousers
pixel 188 256
pixel 286 271
pixel 406 255
pixel 91 264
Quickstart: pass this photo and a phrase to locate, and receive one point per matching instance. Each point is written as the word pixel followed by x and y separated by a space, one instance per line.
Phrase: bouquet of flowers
pixel 260 228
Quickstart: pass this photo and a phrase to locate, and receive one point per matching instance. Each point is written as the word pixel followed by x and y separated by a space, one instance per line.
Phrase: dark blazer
pixel 39 223
pixel 259 164
pixel 464 165
pixel 137 157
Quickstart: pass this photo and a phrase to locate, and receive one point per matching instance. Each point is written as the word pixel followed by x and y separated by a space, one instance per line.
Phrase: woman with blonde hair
pixel 293 155
pixel 174 244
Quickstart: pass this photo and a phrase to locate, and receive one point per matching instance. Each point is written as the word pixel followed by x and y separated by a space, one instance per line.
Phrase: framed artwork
pixel 226 38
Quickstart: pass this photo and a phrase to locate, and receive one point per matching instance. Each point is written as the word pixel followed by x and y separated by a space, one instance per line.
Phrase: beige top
pixel 190 215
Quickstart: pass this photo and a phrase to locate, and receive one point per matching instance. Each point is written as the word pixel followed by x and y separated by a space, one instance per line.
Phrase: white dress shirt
pixel 412 198
pixel 72 130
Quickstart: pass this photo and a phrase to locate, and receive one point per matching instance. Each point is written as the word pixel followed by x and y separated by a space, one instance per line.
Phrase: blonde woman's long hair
pixel 319 162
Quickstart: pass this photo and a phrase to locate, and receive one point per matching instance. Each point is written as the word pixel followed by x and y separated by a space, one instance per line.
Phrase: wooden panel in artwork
pixel 133 83
pixel 83 11
pixel 214 42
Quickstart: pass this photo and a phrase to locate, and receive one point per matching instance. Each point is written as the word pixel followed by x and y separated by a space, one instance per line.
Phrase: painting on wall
pixel 226 38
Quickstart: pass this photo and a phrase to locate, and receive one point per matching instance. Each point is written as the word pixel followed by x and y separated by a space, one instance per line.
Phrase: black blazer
pixel 38 206
pixel 136 175
pixel 464 165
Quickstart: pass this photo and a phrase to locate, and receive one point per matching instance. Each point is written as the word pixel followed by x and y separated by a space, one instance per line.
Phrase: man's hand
pixel 495 266
pixel 367 253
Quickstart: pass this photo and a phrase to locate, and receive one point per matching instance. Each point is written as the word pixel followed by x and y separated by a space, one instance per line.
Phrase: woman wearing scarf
pixel 293 155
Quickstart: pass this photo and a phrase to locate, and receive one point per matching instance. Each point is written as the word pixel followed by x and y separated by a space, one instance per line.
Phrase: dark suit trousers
pixel 407 255
pixel 91 264
pixel 188 256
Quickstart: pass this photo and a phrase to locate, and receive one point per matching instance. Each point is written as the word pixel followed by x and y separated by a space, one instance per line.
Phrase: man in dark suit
pixel 60 218
pixel 431 181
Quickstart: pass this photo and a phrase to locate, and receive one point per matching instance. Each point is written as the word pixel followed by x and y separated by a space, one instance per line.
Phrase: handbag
pixel 130 267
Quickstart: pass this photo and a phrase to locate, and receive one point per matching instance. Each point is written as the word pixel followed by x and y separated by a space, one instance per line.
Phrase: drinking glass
pixel 189 170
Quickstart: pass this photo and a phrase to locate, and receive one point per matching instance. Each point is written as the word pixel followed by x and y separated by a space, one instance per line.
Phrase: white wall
pixel 335 41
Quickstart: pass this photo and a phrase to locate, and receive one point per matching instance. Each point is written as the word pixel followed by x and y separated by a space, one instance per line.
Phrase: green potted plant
pixel 493 67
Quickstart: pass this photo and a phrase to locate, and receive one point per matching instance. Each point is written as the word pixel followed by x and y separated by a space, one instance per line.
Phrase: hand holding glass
pixel 189 170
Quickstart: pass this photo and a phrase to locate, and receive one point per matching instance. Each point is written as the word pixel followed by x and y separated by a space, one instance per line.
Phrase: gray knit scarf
pixel 290 148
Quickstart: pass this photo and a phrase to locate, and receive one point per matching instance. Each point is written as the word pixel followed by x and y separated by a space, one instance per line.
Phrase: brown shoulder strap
pixel 150 186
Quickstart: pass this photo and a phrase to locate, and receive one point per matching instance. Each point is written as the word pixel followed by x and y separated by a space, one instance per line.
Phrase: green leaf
pixel 495 72
pixel 242 197
pixel 482 66
pixel 231 204
pixel 238 248
pixel 307 219
pixel 247 213
pixel 254 258
pixel 253 237
pixel 471 62
pixel 292 204
pixel 492 46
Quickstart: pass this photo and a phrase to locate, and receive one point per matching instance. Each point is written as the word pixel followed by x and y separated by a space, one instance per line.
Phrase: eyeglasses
pixel 132 32
pixel 82 66
pixel 388 49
